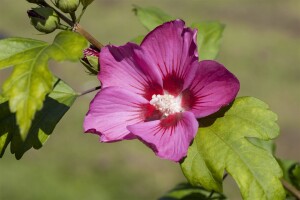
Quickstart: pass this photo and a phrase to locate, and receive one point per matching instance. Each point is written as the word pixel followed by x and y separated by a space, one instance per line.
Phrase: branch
pixel 291 188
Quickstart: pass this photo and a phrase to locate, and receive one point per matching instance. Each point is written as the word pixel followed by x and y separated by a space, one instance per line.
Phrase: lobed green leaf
pixel 222 144
pixel 151 17
pixel 138 40
pixel 208 39
pixel 57 103
pixel 31 79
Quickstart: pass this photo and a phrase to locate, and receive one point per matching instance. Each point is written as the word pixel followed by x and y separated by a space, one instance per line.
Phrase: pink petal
pixel 111 111
pixel 213 87
pixel 172 48
pixel 169 138
pixel 128 67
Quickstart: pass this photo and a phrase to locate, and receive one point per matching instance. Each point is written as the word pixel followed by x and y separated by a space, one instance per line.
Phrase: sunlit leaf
pixel 208 39
pixel 151 17
pixel 31 79
pixel 57 103
pixel 221 144
pixel 187 192
pixel 268 145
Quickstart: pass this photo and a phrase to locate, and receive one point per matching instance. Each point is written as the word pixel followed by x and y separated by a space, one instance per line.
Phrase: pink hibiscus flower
pixel 156 91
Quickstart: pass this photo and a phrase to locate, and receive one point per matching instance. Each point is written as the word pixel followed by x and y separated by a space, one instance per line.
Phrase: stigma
pixel 167 104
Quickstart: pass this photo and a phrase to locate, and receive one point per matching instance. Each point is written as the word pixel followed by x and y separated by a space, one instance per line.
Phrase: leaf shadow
pixel 185 191
pixel 210 119
pixel 42 126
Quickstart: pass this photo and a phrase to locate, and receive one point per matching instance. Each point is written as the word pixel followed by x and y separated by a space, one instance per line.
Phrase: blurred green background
pixel 261 46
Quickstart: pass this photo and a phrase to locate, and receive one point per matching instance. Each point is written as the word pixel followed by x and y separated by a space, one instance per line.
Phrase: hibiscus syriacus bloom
pixel 156 91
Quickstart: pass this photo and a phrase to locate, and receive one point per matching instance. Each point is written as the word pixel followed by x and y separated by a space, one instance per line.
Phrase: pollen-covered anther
pixel 167 104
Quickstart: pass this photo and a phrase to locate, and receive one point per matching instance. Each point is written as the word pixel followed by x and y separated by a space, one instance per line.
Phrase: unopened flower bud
pixel 67 6
pixel 91 60
pixel 44 19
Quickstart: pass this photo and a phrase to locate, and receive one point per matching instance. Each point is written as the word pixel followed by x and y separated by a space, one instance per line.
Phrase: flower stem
pixel 289 187
pixel 77 28
pixel 73 16
pixel 90 90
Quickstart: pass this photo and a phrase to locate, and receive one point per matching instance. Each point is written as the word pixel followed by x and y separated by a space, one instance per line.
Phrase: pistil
pixel 167 104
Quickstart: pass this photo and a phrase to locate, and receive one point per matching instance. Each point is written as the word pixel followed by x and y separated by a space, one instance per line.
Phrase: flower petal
pixel 128 67
pixel 172 47
pixel 213 87
pixel 169 138
pixel 111 110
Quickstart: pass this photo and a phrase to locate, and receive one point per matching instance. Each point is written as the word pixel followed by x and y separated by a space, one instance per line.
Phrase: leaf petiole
pixel 294 191
pixel 90 90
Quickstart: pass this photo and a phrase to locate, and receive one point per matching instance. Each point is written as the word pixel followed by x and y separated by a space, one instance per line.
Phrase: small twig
pixel 294 191
pixel 90 90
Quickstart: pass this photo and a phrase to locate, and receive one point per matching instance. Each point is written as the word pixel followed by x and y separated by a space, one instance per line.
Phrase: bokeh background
pixel 261 46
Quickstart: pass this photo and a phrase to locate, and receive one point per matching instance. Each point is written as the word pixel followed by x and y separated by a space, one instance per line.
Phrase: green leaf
pixel 138 40
pixel 286 165
pixel 151 17
pixel 291 175
pixel 295 175
pixel 268 145
pixel 291 171
pixel 93 61
pixel 185 191
pixel 31 79
pixel 57 103
pixel 221 144
pixel 6 124
pixel 208 39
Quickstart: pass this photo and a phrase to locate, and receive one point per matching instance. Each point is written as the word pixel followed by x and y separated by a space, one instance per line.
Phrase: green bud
pixel 67 6
pixel 91 60
pixel 44 19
